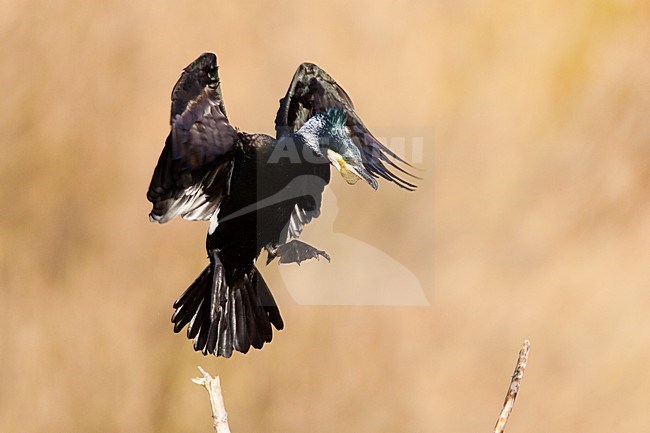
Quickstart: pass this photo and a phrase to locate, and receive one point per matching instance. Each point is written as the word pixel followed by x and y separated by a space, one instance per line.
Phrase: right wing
pixel 194 168
pixel 312 90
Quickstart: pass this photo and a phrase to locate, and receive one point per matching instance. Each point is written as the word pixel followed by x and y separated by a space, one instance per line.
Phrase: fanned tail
pixel 221 316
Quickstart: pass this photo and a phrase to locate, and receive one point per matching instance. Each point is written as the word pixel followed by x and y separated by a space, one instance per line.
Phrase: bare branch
pixel 513 389
pixel 219 415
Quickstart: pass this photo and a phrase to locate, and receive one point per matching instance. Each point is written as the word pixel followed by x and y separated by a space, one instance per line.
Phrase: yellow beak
pixel 348 172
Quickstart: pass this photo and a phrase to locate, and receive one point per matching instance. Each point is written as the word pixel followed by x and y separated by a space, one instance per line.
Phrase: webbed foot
pixel 295 251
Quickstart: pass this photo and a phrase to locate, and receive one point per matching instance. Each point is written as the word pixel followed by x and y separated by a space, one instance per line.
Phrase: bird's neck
pixel 312 131
pixel 307 139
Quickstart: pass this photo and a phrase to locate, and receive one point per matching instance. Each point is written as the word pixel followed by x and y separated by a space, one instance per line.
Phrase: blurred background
pixel 532 220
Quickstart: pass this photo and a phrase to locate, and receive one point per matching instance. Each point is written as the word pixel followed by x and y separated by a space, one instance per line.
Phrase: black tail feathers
pixel 223 316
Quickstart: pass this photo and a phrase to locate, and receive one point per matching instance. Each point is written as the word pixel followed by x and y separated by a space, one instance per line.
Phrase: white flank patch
pixel 214 221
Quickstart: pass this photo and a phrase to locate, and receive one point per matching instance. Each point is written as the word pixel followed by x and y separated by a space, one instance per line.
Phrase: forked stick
pixel 219 415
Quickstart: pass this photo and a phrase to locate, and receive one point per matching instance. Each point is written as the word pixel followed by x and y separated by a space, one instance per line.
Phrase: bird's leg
pixel 295 251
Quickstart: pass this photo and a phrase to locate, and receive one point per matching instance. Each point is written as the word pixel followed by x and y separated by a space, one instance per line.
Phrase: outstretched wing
pixel 194 168
pixel 311 91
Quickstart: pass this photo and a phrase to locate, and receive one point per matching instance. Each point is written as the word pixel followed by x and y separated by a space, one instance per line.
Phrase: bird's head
pixel 329 129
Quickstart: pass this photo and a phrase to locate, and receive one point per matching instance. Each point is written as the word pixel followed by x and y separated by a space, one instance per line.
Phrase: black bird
pixel 258 193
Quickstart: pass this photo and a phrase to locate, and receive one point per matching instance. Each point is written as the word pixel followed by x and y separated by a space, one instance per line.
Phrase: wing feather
pixel 308 206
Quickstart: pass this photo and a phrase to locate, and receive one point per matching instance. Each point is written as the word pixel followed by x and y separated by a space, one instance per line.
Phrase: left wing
pixel 195 165
pixel 312 91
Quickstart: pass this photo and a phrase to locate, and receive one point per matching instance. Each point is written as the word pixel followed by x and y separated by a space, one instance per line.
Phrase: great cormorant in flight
pixel 257 191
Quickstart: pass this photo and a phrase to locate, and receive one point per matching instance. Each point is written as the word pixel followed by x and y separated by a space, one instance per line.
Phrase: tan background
pixel 537 184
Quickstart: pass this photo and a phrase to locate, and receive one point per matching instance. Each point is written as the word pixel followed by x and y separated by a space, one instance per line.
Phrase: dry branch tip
pixel 513 389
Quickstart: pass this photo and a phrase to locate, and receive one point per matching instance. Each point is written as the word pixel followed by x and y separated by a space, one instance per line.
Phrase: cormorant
pixel 257 191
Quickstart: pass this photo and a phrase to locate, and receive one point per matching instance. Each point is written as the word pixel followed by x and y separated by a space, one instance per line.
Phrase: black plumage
pixel 258 192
